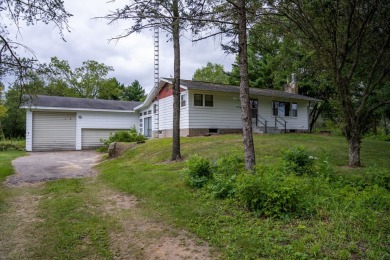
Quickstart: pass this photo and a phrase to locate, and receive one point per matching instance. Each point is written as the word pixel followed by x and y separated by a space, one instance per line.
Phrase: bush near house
pixel 128 136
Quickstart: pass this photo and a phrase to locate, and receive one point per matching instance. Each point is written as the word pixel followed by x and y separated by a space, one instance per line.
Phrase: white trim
pixel 76 109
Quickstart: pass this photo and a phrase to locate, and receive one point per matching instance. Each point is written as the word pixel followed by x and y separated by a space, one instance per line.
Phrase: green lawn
pixel 6 170
pixel 341 228
pixel 67 219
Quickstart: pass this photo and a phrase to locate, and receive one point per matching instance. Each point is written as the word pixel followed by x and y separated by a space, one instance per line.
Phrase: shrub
pixel 131 135
pixel 270 192
pixel 12 145
pixel 198 172
pixel 225 171
pixel 298 161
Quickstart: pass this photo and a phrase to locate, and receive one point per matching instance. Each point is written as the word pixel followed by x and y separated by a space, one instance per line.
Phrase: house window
pixel 294 109
pixel 254 105
pixel 201 100
pixel 155 108
pixel 145 113
pixel 140 114
pixel 149 112
pixel 208 100
pixel 198 100
pixel 281 108
pixel 183 100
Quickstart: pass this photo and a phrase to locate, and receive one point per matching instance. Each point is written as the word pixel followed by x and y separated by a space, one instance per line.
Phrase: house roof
pixel 78 103
pixel 199 85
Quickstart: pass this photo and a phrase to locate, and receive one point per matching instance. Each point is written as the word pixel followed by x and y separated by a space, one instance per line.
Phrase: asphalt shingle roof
pixel 83 103
pixel 199 85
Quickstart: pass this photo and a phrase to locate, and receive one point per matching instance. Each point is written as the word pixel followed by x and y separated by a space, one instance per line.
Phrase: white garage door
pixel 90 138
pixel 53 131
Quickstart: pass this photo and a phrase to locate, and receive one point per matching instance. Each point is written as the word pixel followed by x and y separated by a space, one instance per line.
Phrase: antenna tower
pixel 156 54
pixel 156 77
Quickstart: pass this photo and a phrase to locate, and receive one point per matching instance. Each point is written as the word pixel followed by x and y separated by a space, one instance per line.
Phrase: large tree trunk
pixel 246 119
pixel 176 156
pixel 354 137
pixel 354 152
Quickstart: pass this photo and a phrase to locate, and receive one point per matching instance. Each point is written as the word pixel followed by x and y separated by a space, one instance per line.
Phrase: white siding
pixel 29 130
pixel 166 113
pixel 104 120
pixel 299 123
pixel 226 112
pixel 91 138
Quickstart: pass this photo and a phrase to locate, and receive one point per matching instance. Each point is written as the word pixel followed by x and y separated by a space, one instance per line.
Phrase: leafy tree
pixel 351 39
pixel 86 81
pixel 111 89
pixel 3 109
pixel 16 12
pixel 14 122
pixel 134 92
pixel 211 73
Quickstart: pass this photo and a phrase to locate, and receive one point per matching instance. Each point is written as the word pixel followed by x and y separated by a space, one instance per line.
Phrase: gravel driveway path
pixel 44 166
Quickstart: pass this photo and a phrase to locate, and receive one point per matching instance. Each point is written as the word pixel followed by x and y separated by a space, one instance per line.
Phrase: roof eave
pixel 76 109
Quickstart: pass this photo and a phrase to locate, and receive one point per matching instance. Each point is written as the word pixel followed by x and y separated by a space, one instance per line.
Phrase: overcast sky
pixel 131 58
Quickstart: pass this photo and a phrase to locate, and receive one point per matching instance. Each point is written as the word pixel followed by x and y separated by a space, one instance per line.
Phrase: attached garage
pixel 63 123
pixel 53 131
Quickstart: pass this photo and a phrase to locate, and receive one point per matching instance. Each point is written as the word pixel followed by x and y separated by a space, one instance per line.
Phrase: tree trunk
pixel 176 156
pixel 315 114
pixel 246 119
pixel 354 151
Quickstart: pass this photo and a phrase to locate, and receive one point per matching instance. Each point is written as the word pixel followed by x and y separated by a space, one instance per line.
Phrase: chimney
pixel 292 87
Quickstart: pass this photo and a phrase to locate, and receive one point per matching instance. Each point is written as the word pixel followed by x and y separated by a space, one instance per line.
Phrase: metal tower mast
pixel 156 54
pixel 156 77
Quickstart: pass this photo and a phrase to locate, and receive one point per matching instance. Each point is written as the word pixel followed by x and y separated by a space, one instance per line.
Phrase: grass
pixel 343 228
pixel 6 169
pixel 66 218
pixel 73 228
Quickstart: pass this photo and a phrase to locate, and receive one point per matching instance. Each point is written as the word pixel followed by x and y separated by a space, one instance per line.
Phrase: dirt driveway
pixel 44 166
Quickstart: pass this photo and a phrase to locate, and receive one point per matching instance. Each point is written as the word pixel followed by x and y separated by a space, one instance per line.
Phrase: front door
pixel 148 126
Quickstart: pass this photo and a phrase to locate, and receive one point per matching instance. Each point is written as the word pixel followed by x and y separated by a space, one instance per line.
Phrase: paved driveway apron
pixel 44 166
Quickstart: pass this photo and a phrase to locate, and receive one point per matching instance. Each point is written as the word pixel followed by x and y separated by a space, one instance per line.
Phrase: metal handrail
pixel 283 124
pixel 258 120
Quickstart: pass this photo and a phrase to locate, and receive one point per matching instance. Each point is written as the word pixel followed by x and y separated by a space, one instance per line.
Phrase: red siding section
pixel 167 91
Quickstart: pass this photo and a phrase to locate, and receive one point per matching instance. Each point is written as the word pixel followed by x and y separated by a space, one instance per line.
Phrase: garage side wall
pixel 104 120
pixel 28 131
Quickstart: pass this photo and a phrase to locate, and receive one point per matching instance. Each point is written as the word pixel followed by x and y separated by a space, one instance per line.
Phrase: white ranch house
pixel 62 123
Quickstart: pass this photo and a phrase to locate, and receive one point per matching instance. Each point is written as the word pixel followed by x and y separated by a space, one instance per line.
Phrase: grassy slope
pixel 145 172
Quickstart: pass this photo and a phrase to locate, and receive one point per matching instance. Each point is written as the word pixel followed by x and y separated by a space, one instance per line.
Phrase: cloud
pixel 132 57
